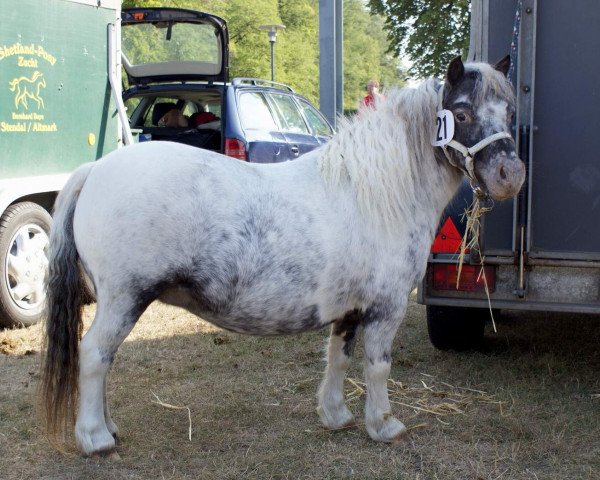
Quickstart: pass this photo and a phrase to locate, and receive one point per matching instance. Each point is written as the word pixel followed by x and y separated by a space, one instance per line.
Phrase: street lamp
pixel 272 32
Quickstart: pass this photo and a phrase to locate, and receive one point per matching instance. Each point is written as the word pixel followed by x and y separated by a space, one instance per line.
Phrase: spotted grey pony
pixel 337 237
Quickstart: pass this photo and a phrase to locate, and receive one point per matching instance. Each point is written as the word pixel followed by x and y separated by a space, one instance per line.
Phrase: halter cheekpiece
pixel 469 152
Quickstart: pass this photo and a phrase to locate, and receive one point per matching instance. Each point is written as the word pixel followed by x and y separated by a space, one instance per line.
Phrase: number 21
pixel 439 122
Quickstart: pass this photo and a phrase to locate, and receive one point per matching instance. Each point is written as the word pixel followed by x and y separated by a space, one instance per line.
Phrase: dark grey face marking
pixel 454 98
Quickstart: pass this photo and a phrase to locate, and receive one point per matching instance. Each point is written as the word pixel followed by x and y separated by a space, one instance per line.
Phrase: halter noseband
pixel 469 152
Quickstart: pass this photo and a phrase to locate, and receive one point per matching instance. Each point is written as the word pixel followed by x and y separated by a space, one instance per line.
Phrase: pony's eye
pixel 461 117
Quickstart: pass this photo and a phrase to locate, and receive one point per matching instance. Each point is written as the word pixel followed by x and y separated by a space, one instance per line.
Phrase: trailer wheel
pixel 455 328
pixel 24 231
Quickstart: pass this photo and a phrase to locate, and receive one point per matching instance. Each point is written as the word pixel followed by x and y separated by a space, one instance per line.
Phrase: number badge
pixel 444 128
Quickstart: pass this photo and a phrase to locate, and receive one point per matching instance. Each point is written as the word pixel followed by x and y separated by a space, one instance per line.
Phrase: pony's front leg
pixel 380 331
pixel 332 410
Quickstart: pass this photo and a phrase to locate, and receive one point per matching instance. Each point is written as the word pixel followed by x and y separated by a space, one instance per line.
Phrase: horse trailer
pixel 541 250
pixel 59 87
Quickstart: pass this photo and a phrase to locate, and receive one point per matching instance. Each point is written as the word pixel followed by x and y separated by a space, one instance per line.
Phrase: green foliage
pixel 429 32
pixel 297 47
pixel 365 56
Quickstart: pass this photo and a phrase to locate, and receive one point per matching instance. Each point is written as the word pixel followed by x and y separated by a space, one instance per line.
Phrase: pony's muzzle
pixel 504 176
pixel 509 177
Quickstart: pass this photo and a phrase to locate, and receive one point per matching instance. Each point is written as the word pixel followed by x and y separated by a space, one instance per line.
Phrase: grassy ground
pixel 525 407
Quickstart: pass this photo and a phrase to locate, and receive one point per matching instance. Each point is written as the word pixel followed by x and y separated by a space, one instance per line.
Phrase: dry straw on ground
pixel 158 401
pixel 431 397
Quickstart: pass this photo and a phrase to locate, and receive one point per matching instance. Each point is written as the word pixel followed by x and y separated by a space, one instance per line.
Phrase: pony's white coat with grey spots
pixel 338 237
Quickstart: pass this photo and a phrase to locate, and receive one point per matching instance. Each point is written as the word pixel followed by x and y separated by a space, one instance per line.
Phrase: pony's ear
pixel 456 70
pixel 503 65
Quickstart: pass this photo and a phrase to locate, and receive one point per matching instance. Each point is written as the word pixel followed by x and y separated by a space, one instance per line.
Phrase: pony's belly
pixel 270 317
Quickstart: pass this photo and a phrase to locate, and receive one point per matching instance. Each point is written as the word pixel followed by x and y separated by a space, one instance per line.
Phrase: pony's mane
pixel 377 152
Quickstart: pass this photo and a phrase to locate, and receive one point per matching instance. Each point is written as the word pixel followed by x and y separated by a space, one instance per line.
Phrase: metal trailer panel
pixel 56 110
pixel 565 210
pixel 497 232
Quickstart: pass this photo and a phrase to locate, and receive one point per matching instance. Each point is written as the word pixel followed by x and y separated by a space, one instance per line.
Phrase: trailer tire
pixel 455 328
pixel 24 234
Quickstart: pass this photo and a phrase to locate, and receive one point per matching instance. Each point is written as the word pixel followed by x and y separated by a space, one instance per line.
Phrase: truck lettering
pixel 44 127
pixel 27 116
pixel 24 127
pixel 27 62
pixel 12 127
pixel 30 50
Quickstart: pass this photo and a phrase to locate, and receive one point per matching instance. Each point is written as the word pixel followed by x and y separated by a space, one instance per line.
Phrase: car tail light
pixel 235 148
pixel 471 277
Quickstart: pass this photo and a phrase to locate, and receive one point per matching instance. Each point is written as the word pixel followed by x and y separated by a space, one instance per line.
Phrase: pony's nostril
pixel 503 174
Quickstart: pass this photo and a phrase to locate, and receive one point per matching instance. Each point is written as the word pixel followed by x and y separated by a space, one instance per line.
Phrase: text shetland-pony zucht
pixel 338 237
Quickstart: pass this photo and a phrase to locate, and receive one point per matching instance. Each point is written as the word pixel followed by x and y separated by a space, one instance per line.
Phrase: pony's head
pixel 482 102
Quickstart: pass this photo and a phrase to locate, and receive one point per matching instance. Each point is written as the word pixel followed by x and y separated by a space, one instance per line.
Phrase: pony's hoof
pixel 386 429
pixel 110 455
pixel 336 419
pixel 401 438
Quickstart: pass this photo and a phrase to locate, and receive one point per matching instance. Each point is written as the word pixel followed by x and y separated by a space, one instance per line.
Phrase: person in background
pixel 371 96
pixel 173 118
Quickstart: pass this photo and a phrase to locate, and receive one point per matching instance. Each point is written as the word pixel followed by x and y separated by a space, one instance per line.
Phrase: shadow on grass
pixel 576 335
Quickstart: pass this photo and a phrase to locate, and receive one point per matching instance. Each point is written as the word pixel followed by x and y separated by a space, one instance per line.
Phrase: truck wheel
pixel 455 328
pixel 24 231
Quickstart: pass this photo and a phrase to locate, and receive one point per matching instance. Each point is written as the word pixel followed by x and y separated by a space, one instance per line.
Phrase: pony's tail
pixel 65 299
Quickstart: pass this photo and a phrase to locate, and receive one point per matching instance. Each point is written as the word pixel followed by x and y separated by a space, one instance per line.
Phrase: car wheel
pixel 455 328
pixel 24 239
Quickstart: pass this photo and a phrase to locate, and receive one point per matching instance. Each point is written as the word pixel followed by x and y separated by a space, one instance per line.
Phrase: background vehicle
pixel 250 119
pixel 541 250
pixel 56 112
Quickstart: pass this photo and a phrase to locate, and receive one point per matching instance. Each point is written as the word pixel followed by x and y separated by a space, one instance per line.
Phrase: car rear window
pixel 316 122
pixel 255 113
pixel 288 113
pixel 164 42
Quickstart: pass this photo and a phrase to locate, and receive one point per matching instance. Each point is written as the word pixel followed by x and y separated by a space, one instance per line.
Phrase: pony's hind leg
pixel 380 330
pixel 94 429
pixel 112 427
pixel 332 409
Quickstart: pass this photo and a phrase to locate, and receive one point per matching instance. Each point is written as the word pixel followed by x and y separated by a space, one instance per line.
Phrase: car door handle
pixel 295 150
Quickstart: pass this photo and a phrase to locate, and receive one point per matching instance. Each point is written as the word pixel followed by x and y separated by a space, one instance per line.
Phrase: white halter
pixel 468 152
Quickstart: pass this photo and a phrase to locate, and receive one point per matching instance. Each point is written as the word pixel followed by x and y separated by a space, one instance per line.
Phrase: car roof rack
pixel 259 81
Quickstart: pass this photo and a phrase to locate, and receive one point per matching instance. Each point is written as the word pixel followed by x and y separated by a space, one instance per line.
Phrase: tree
pixel 429 32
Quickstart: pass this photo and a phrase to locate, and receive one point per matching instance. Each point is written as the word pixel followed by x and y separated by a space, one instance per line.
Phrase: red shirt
pixel 368 101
